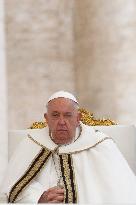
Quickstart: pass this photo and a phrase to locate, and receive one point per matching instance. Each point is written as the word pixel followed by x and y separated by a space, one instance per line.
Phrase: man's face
pixel 62 117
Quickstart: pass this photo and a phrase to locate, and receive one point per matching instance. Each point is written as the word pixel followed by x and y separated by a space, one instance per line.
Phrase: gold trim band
pixel 70 194
pixel 31 172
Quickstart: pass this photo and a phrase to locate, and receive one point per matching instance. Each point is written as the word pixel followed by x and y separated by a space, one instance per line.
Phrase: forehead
pixel 61 104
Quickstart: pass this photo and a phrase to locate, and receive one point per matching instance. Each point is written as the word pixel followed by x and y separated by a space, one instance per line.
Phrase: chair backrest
pixel 125 138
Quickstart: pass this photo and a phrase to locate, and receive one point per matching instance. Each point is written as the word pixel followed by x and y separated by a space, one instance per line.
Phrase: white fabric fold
pixel 102 174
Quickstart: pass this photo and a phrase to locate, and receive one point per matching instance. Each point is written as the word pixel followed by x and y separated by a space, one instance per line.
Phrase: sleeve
pixel 17 167
pixel 31 194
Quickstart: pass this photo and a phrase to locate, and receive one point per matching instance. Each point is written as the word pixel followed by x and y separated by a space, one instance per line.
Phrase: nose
pixel 61 120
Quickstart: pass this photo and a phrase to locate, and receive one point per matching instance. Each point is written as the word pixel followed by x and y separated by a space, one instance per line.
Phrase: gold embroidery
pixel 41 145
pixel 88 119
pixel 33 170
pixel 68 178
pixel 74 181
pixel 38 143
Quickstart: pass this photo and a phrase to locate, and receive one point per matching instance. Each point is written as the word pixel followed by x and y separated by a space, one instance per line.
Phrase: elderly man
pixel 68 162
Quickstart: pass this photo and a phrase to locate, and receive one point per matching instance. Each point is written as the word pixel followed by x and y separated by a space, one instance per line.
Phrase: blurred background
pixel 87 47
pixel 84 47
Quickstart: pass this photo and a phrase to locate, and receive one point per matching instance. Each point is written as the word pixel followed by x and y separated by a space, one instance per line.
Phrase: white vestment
pixel 101 175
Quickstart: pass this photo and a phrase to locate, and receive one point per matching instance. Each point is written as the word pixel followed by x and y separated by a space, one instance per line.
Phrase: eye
pixel 55 115
pixel 68 115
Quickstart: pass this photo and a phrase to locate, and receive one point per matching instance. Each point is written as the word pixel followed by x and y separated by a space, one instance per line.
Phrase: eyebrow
pixel 68 112
pixel 64 112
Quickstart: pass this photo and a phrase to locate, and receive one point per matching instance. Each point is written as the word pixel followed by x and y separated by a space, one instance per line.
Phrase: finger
pixel 59 191
pixel 51 197
pixel 57 200
pixel 55 187
pixel 54 202
pixel 56 190
pixel 60 198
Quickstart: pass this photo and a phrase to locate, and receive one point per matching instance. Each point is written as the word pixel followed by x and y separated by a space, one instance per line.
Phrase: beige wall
pixel 3 98
pixel 40 51
pixel 106 57
pixel 86 47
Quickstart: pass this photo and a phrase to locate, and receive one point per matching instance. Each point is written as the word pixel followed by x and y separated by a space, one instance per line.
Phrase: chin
pixel 63 140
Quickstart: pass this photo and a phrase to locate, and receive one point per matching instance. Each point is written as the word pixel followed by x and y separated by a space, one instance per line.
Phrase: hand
pixel 52 195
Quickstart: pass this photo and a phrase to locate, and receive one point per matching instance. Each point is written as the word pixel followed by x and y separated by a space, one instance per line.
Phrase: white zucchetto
pixel 62 94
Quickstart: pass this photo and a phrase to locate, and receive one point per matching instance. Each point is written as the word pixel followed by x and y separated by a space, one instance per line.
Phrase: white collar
pixel 87 139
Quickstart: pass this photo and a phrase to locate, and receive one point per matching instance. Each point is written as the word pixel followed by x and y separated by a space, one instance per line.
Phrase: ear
pixel 79 118
pixel 46 117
